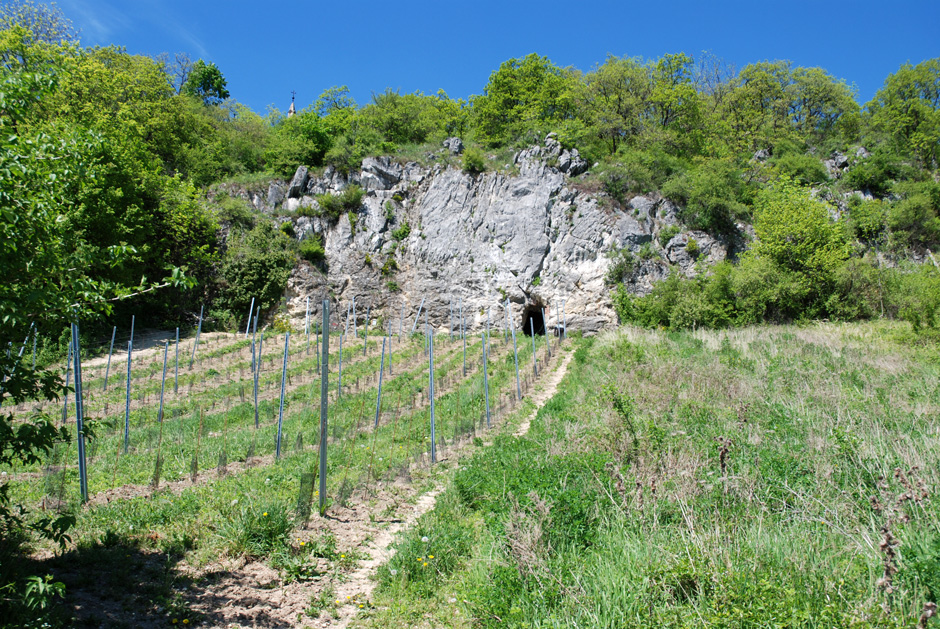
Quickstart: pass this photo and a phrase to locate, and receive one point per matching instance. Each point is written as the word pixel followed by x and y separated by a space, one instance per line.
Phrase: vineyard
pixel 209 447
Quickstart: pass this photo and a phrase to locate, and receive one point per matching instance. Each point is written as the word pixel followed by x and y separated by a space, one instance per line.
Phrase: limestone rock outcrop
pixel 534 233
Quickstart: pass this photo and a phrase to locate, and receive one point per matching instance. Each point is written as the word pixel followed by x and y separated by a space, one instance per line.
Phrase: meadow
pixel 778 476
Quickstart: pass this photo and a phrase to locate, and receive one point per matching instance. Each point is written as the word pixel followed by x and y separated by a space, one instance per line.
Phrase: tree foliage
pixel 906 111
pixel 205 82
pixel 523 95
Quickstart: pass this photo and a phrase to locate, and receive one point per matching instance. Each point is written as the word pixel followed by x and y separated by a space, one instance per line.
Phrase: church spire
pixel 292 110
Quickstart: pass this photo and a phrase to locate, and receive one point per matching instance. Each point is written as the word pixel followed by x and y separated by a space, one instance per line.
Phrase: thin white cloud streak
pixel 97 21
pixel 102 23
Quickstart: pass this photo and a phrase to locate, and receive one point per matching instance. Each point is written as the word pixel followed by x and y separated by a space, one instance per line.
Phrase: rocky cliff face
pixel 534 234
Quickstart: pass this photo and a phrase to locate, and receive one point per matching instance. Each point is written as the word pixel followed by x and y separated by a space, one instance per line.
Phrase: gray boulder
pixel 298 184
pixel 836 164
pixel 379 173
pixel 571 163
pixel 454 145
pixel 276 195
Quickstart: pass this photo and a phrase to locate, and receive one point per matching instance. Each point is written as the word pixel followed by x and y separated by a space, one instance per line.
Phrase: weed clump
pixel 256 531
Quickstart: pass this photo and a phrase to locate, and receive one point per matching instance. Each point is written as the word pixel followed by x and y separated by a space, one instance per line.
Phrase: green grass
pixel 749 478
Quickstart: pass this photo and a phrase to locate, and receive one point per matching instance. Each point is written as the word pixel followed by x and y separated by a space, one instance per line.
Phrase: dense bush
pixel 877 174
pixel 800 167
pixel 711 196
pixel 667 233
pixel 914 219
pixel 333 206
pixel 402 231
pixel 866 218
pixel 256 266
pixel 234 211
pixel 474 162
pixel 311 249
pixel 621 267
pixel 757 290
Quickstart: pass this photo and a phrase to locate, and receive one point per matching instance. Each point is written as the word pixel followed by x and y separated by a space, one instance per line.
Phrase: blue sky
pixel 266 50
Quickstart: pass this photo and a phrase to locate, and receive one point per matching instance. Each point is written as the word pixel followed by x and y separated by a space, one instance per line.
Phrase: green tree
pixel 405 119
pixel 772 102
pixel 522 96
pixel 755 114
pixel 48 267
pixel 798 251
pixel 206 83
pixel 676 105
pixel 614 100
pixel 822 107
pixel 455 114
pixel 906 111
pixel 337 109
pixel 39 25
pixel 302 139
pixel 710 195
pixel 257 266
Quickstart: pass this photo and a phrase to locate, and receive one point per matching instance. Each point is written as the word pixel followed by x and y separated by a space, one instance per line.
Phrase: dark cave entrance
pixel 532 319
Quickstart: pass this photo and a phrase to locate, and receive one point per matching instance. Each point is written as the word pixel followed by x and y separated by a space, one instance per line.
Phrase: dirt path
pixel 544 393
pixel 361 582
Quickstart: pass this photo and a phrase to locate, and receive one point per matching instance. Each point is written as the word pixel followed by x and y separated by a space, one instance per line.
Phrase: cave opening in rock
pixel 532 318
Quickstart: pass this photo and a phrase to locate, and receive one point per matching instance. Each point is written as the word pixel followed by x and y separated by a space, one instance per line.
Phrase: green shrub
pixel 474 162
pixel 333 205
pixel 353 219
pixel 639 172
pixel 390 266
pixel 647 252
pixel 877 174
pixel 711 196
pixel 692 248
pixel 867 218
pixel 392 286
pixel 917 297
pixel 620 182
pixel 796 233
pixel 403 231
pixel 311 249
pixel 235 211
pixel 287 228
pixel 914 219
pixel 862 291
pixel 805 169
pixel 256 264
pixel 622 264
pixel 666 234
